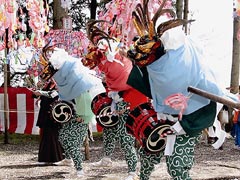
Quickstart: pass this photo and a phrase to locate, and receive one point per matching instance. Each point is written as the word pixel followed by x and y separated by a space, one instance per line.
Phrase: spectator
pixel 236 129
pixel 50 150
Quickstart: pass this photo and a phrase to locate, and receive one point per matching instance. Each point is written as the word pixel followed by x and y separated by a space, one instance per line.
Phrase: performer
pixel 106 56
pixel 173 62
pixel 77 86
pixel 50 150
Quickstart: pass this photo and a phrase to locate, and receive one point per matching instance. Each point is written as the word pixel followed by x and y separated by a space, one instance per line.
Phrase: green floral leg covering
pixel 182 159
pixel 127 141
pixel 148 161
pixel 119 134
pixel 71 136
pixel 109 140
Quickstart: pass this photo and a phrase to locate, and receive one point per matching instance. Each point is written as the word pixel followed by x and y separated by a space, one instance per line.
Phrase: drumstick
pixel 114 112
pixel 214 97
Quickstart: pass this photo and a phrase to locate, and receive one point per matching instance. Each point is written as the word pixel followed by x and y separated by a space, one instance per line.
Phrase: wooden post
pixel 6 92
pixel 234 84
pixel 5 106
pixel 86 144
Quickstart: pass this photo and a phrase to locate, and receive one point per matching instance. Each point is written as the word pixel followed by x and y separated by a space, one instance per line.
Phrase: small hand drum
pixel 61 111
pixel 143 124
pixel 101 107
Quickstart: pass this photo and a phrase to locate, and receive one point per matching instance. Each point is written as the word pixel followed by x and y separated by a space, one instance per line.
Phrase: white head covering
pixel 173 38
pixel 58 58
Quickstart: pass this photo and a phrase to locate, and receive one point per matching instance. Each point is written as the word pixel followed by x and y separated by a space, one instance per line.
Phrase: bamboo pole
pixel 214 97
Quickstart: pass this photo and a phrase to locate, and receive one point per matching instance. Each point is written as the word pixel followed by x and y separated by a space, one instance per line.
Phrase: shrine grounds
pixel 18 162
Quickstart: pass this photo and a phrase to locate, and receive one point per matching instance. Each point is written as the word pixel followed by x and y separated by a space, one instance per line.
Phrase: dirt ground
pixel 17 162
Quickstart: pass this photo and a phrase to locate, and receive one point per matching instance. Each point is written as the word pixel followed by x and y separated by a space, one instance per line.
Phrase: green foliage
pixel 20 138
pixel 26 138
pixel 79 13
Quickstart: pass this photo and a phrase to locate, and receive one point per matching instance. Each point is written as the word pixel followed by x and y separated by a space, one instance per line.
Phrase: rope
pixel 14 110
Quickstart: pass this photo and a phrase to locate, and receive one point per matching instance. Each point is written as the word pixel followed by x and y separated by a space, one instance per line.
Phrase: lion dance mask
pixel 147 46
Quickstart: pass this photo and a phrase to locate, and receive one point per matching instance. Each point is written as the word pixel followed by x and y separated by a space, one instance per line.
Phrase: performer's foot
pixel 132 176
pixel 80 173
pixel 43 163
pixel 103 162
pixel 237 147
pixel 65 162
pixel 212 140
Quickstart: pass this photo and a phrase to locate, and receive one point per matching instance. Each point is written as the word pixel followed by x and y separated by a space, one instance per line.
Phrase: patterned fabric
pixel 182 158
pixel 148 161
pixel 179 163
pixel 71 136
pixel 119 134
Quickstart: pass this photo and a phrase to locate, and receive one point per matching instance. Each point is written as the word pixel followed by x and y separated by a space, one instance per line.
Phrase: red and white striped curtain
pixel 22 111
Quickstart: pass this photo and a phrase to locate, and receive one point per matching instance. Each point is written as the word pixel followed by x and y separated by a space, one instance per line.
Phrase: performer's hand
pixel 79 119
pixel 36 93
pixel 169 132
pixel 115 96
pixel 37 102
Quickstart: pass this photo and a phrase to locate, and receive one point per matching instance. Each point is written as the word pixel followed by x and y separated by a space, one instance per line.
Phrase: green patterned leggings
pixel 71 136
pixel 119 134
pixel 178 164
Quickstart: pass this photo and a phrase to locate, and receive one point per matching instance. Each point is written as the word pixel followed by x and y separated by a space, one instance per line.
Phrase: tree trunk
pixel 93 8
pixel 235 58
pixel 179 9
pixel 234 84
pixel 185 15
pixel 58 14
pixel 182 10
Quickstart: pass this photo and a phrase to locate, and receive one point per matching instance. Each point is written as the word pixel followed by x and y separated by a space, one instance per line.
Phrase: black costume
pixel 50 150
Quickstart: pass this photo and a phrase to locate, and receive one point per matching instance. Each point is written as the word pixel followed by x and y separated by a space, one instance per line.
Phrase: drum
pixel 101 107
pixel 61 111
pixel 143 124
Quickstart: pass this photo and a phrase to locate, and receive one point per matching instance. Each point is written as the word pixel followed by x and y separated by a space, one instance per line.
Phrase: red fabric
pixel 134 97
pixel 99 127
pixel 116 75
pixel 235 116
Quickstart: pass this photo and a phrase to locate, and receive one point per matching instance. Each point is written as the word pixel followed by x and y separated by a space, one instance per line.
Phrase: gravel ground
pixel 17 162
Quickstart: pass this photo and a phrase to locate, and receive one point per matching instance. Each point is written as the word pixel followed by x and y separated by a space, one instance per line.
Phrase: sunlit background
pixel 214 27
